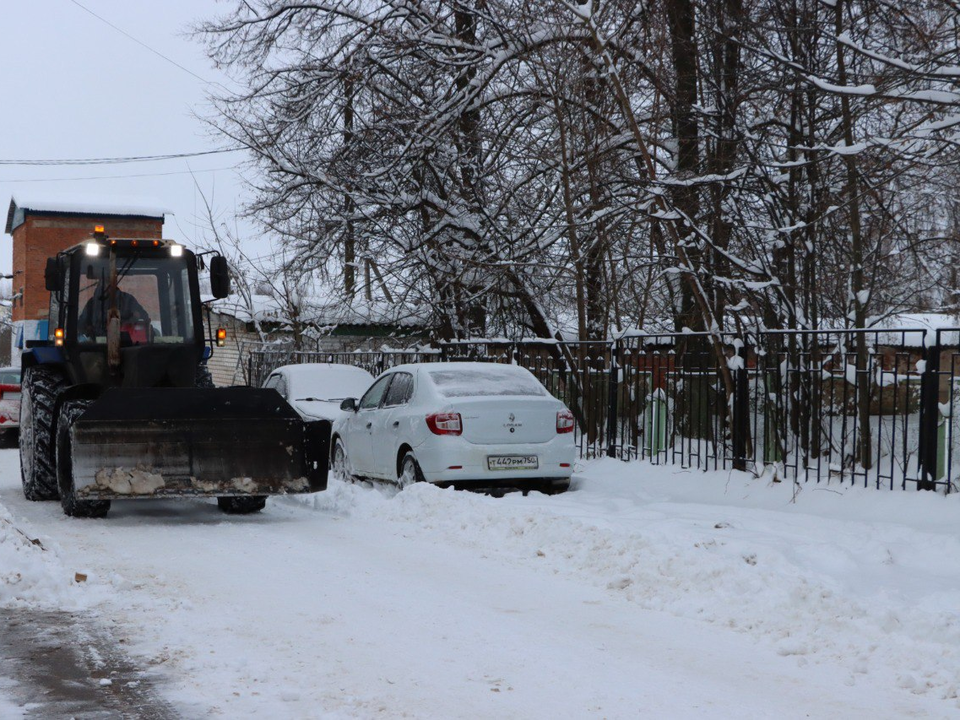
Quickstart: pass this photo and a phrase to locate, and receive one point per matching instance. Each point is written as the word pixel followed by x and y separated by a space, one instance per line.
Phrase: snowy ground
pixel 644 592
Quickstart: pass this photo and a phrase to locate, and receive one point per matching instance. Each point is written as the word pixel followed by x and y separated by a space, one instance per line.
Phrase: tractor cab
pixel 126 312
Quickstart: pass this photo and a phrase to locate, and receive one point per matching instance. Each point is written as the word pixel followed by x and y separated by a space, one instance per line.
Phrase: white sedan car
pixel 461 424
pixel 315 390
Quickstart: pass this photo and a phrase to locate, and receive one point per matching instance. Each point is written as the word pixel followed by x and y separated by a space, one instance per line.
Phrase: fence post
pixel 613 398
pixel 741 410
pixel 929 416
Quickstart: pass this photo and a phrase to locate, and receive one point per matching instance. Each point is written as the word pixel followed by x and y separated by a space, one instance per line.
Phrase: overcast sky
pixel 74 87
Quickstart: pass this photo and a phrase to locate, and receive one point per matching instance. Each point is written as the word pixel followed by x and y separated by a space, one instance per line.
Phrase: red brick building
pixel 43 226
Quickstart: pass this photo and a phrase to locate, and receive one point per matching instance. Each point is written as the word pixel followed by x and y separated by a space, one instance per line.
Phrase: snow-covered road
pixel 645 592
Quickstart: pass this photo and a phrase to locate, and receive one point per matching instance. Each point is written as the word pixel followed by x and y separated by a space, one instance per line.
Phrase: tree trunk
pixel 683 47
pixel 857 288
pixel 349 206
pixel 468 137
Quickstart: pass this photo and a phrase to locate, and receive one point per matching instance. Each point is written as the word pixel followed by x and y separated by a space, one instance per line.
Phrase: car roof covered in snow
pixel 413 367
pixel 325 381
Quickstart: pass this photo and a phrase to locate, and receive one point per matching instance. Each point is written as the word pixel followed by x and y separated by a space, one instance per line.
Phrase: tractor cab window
pixel 57 305
pixel 153 300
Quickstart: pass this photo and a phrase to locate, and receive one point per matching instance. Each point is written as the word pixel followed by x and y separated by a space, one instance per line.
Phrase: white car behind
pixel 315 390
pixel 461 424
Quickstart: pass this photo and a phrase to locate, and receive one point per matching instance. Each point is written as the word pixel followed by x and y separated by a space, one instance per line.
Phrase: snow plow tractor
pixel 118 403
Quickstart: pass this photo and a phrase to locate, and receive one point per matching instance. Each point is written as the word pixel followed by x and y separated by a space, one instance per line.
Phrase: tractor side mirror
pixel 349 404
pixel 219 277
pixel 52 277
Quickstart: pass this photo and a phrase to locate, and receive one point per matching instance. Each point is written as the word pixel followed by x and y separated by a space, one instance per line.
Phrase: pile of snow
pixel 33 575
pixel 860 578
pixel 645 590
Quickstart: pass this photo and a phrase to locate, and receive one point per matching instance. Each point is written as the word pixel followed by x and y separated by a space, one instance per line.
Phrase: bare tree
pixel 521 168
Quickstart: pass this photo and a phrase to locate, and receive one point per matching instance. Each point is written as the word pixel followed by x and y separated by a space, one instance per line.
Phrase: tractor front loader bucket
pixel 172 442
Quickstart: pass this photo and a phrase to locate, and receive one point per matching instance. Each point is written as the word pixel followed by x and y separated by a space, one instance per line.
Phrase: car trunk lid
pixel 507 420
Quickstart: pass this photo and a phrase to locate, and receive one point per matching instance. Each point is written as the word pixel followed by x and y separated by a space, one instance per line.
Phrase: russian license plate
pixel 512 462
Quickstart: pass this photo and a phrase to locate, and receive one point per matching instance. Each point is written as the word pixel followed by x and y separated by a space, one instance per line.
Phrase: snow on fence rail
pixel 874 407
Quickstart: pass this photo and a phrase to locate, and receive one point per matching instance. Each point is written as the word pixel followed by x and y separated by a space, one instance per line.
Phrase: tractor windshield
pixel 153 299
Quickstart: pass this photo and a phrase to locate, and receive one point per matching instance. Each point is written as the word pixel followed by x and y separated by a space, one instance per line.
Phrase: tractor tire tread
pixel 72 506
pixel 38 469
pixel 243 505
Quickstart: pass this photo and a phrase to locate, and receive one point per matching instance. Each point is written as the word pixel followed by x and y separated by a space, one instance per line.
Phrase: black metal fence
pixel 872 407
pixel 260 363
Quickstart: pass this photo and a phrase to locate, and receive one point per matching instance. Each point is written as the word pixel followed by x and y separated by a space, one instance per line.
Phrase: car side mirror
pixel 349 404
pixel 52 278
pixel 219 277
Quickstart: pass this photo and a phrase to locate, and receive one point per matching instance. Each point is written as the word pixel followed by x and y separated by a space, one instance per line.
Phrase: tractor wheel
pixel 242 505
pixel 72 506
pixel 40 387
pixel 204 378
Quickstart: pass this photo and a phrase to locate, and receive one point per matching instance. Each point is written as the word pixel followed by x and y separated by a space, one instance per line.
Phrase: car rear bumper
pixel 454 461
pixel 547 486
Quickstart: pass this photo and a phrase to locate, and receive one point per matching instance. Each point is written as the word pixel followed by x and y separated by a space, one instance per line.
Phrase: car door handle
pixel 396 423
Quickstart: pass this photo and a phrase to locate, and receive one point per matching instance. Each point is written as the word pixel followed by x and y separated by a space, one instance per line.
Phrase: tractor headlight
pixel 93 249
pixel 176 250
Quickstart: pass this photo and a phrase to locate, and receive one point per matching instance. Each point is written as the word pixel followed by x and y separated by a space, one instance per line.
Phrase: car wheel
pixel 410 472
pixel 556 487
pixel 40 388
pixel 339 461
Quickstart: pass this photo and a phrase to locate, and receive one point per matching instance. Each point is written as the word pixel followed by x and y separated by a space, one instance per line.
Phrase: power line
pixel 117 160
pixel 112 177
pixel 143 44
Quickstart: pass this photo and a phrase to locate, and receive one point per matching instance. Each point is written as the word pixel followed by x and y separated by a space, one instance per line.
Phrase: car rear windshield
pixel 334 383
pixel 475 382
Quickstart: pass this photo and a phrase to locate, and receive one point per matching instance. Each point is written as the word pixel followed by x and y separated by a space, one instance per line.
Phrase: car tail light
pixel 564 421
pixel 445 423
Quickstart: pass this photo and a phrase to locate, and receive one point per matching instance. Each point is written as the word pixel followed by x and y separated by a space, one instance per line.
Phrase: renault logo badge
pixel 511 417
